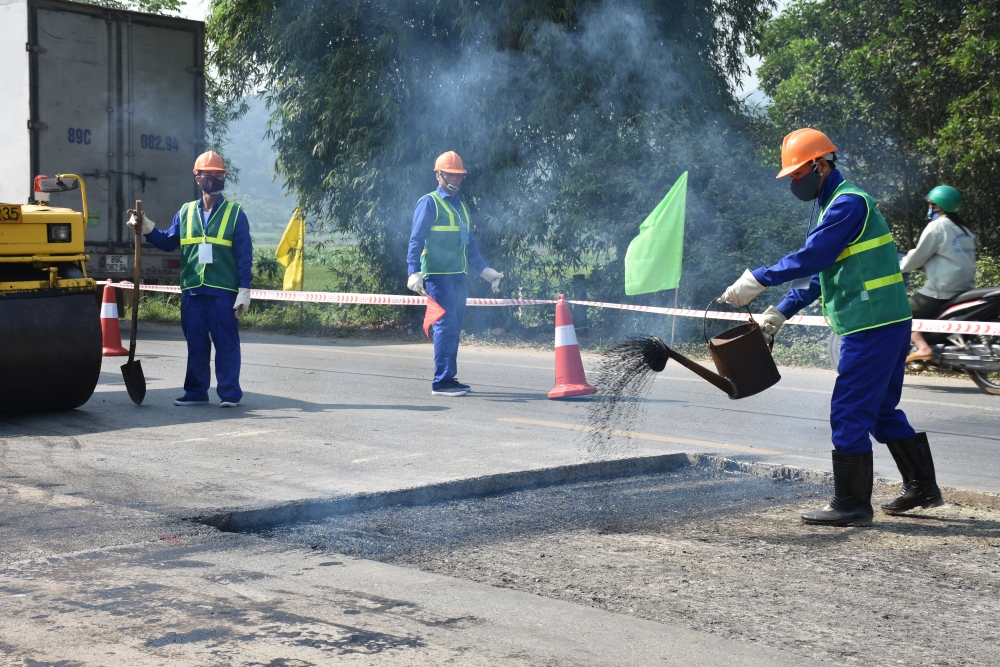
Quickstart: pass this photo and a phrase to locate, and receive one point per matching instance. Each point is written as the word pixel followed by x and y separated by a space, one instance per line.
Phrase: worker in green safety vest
pixel 216 267
pixel 442 250
pixel 851 262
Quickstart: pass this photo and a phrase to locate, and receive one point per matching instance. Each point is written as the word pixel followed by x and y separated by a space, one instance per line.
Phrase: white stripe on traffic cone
pixel 110 330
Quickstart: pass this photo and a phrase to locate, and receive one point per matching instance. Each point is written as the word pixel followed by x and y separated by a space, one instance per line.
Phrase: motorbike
pixel 975 355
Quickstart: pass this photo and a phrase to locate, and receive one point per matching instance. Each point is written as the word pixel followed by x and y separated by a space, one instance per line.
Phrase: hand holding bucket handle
pixel 742 356
pixel 704 325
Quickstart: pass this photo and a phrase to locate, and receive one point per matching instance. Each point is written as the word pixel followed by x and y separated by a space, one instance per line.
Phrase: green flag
pixel 653 260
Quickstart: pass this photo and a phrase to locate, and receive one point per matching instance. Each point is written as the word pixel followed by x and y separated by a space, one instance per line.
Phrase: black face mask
pixel 807 187
pixel 212 185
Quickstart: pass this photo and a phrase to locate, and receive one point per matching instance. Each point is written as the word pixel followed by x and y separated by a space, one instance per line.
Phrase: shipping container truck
pixel 116 97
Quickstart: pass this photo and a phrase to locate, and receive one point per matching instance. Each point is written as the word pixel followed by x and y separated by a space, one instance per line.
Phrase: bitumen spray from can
pixel 623 378
pixel 742 357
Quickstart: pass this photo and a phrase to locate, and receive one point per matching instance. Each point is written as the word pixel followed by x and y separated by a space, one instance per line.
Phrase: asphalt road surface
pixel 324 417
pixel 95 560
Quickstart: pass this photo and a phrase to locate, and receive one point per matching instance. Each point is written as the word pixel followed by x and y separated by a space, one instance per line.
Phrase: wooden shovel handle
pixel 136 270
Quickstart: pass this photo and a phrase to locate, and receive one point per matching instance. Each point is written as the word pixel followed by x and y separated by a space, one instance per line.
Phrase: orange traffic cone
pixel 570 378
pixel 110 330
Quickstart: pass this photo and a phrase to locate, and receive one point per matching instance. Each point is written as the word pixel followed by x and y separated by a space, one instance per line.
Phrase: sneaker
pixel 456 383
pixel 188 400
pixel 229 404
pixel 450 389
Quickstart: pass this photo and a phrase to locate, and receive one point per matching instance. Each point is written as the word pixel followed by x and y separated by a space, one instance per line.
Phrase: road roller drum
pixel 50 331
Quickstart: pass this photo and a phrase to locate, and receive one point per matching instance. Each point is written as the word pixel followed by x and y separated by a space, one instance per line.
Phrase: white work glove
pixel 493 278
pixel 415 283
pixel 147 224
pixel 242 302
pixel 771 321
pixel 743 291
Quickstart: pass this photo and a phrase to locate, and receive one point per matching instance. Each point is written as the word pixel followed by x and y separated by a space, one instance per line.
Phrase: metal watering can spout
pixel 741 355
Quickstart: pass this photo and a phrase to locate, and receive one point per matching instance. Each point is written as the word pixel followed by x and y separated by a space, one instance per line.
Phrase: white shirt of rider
pixel 948 255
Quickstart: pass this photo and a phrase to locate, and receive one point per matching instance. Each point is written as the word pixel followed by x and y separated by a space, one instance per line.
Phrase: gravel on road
pixel 718 552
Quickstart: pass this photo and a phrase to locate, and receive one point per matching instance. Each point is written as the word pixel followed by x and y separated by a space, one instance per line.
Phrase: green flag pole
pixel 673 322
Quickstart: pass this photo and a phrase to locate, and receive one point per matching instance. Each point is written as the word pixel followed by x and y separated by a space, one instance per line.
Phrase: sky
pixel 194 9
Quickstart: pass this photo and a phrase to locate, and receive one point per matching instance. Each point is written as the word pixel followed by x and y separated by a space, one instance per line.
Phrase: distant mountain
pixel 263 199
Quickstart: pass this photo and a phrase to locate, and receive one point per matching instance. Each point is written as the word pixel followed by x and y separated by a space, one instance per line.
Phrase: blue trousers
pixel 206 320
pixel 868 389
pixel 450 292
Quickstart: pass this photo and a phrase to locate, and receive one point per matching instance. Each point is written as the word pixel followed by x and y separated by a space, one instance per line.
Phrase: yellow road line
pixel 640 436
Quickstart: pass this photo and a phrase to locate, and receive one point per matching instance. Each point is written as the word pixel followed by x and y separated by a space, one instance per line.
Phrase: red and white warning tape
pixel 345 297
pixel 930 326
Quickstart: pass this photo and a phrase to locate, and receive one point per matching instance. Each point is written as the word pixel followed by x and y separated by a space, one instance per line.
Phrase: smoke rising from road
pixel 573 122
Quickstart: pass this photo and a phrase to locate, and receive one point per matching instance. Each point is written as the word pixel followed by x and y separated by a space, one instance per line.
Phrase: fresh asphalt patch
pixel 715 550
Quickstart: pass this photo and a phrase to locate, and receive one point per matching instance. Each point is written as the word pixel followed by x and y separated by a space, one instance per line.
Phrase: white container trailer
pixel 117 97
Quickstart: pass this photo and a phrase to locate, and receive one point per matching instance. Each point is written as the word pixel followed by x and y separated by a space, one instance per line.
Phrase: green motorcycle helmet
pixel 945 196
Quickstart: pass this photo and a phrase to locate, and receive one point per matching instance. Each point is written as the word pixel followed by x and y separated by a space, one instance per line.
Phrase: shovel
pixel 135 381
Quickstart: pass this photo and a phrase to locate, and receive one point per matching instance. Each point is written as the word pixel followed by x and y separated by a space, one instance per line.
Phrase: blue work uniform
pixel 872 362
pixel 207 315
pixel 447 289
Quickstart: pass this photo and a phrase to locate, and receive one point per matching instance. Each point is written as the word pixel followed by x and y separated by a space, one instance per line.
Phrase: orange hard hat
pixel 450 163
pixel 209 161
pixel 801 146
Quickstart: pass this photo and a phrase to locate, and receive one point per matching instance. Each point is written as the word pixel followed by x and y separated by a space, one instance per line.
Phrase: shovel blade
pixel 135 381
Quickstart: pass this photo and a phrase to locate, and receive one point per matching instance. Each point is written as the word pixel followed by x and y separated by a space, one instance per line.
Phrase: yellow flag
pixel 291 251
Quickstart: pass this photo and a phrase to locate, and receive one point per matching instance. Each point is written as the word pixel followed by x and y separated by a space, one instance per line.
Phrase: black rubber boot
pixel 852 493
pixel 920 489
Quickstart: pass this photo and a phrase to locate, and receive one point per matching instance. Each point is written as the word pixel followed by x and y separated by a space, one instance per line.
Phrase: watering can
pixel 742 356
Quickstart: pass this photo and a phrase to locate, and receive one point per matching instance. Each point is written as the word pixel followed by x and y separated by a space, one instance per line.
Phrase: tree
pixel 147 6
pixel 575 118
pixel 907 91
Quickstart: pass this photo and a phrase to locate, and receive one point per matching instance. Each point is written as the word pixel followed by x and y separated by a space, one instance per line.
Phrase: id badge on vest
pixel 204 253
pixel 463 232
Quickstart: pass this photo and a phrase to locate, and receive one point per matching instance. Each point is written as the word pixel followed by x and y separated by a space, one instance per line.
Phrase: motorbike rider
pixel 946 251
pixel 851 258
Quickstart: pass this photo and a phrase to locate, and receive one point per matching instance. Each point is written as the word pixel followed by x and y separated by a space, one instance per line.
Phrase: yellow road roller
pixel 50 328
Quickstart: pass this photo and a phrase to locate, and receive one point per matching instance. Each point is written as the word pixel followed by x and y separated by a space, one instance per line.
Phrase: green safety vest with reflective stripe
pixel 863 288
pixel 446 245
pixel 218 232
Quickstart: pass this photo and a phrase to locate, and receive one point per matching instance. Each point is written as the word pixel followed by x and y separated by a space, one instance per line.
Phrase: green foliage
pixel 157 307
pixel 907 90
pixel 268 273
pixel 347 272
pixel 574 117
pixel 987 271
pixel 147 6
